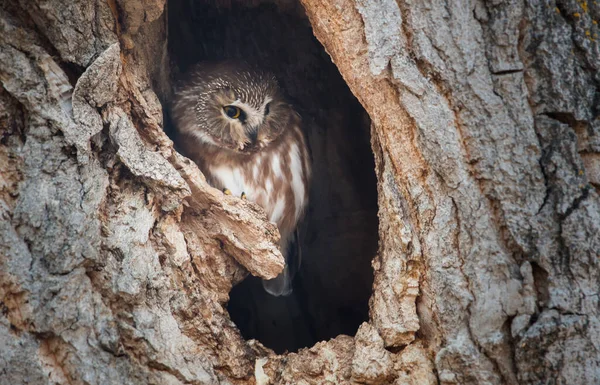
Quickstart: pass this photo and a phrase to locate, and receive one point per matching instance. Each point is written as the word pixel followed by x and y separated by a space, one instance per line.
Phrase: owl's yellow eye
pixel 232 111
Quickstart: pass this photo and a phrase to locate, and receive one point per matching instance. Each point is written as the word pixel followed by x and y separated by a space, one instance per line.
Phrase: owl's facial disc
pixel 246 122
pixel 241 119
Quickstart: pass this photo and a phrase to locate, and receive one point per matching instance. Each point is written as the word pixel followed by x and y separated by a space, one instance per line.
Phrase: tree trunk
pixel 117 259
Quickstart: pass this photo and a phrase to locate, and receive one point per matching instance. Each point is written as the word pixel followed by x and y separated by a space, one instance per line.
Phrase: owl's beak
pixel 253 135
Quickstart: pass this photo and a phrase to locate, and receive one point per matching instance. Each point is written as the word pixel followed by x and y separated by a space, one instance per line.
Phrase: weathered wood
pixel 117 258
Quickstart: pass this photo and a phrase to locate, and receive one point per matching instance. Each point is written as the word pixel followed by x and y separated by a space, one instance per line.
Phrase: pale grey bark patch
pixel 140 160
pixel 381 21
pixel 19 357
pixel 96 87
pixel 78 31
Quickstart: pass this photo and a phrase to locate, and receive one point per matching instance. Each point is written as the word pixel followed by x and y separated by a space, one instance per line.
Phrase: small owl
pixel 234 122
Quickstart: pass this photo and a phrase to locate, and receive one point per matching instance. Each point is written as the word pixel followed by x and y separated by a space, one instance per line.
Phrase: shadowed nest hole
pixel 332 289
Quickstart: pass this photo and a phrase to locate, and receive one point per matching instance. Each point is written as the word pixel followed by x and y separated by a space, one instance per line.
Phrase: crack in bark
pixel 507 72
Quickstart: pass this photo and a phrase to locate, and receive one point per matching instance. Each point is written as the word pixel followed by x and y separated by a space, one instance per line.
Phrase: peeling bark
pixel 117 258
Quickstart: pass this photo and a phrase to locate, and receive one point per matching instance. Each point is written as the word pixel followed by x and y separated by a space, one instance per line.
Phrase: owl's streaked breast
pixel 276 179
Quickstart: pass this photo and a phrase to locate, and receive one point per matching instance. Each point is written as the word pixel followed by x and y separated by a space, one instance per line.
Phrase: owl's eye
pixel 232 111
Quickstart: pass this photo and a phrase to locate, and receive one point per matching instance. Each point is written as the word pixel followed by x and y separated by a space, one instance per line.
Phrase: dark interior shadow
pixel 332 289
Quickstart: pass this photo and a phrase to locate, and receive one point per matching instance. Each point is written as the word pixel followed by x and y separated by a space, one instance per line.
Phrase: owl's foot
pixel 226 191
pixel 243 195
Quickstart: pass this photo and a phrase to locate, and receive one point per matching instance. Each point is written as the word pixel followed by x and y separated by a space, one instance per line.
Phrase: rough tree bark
pixel 116 257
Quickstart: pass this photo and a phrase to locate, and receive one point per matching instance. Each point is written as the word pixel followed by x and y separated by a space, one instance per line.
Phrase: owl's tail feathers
pixel 282 284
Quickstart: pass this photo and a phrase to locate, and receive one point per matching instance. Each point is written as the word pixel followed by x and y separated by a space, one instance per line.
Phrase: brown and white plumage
pixel 261 153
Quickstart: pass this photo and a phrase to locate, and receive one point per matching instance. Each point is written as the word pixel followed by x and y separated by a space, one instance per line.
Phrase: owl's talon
pixel 243 195
pixel 226 191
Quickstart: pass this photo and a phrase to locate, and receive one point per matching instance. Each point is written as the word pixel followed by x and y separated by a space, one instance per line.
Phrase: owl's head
pixel 234 106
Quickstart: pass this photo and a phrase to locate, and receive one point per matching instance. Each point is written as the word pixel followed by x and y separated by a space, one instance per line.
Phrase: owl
pixel 234 122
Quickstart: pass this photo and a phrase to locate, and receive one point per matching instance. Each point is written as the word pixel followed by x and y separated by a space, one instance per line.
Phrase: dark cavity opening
pixel 332 289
